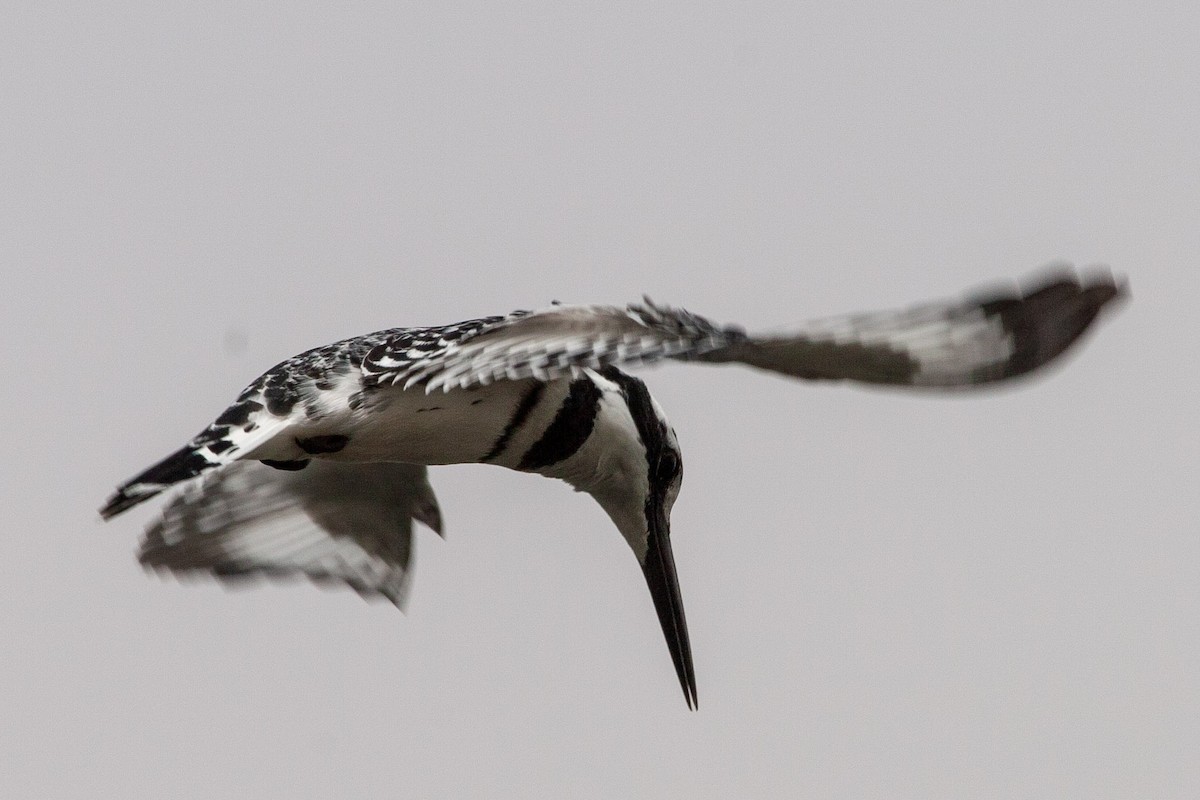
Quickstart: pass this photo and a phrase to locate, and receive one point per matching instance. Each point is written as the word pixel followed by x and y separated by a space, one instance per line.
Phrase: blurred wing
pixel 959 343
pixel 993 336
pixel 340 523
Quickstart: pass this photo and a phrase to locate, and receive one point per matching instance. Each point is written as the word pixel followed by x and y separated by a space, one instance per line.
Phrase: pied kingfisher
pixel 318 467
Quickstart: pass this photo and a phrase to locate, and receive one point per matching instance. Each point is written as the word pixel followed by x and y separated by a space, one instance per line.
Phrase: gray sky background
pixel 890 596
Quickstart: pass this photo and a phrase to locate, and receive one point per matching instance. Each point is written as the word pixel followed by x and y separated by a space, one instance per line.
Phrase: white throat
pixel 611 466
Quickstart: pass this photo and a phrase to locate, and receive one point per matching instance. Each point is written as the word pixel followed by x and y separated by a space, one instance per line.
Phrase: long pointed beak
pixel 659 569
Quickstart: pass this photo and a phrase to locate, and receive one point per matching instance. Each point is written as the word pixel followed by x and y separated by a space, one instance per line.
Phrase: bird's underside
pixel 318 468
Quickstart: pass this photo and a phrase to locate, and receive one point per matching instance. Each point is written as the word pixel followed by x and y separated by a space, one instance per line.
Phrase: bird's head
pixel 638 494
pixel 636 469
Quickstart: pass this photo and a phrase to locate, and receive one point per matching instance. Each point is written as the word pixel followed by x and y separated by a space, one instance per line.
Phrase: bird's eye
pixel 667 467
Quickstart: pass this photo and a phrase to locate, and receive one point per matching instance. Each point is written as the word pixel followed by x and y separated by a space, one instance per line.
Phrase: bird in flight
pixel 319 467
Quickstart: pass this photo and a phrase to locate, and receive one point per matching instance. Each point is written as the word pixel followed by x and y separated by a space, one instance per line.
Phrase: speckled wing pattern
pixel 266 405
pixel 287 383
pixel 334 523
pixel 993 335
pixel 548 344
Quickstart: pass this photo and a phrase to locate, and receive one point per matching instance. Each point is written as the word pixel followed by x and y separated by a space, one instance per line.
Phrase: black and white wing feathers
pixel 951 344
pixel 996 334
pixel 291 394
pixel 334 523
pixel 546 345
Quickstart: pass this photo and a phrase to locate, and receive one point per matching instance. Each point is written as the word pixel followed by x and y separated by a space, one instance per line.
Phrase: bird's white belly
pixel 460 426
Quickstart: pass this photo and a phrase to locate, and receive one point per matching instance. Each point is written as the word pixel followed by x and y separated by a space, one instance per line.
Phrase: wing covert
pixel 552 343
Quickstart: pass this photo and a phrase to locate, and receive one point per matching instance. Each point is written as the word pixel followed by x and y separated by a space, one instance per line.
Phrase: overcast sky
pixel 890 596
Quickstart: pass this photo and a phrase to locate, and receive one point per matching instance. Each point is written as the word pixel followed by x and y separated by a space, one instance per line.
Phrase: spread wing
pixel 333 522
pixel 993 335
pixel 1005 332
pixel 548 344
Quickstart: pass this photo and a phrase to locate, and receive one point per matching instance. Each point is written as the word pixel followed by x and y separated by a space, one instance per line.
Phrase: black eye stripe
pixel 668 466
pixel 662 460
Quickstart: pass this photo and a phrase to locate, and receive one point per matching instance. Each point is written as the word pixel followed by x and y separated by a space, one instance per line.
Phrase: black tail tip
pixel 115 505
pixel 185 463
pixel 123 500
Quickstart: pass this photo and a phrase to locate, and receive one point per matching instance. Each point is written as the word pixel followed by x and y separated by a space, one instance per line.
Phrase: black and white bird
pixel 318 467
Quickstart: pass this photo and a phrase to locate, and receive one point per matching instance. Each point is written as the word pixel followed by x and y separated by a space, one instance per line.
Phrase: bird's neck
pixel 591 442
pixel 609 463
